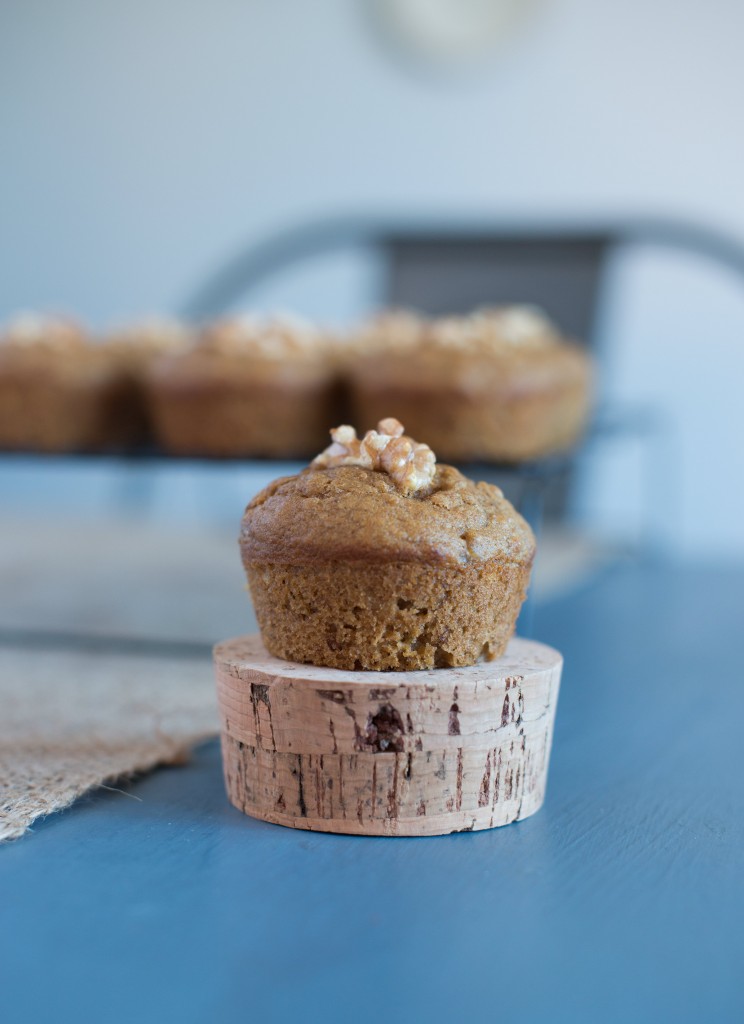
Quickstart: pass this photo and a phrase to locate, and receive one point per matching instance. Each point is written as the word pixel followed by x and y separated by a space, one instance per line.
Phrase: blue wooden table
pixel 622 900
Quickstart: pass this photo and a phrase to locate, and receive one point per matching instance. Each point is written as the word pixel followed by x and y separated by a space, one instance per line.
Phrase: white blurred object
pixel 451 31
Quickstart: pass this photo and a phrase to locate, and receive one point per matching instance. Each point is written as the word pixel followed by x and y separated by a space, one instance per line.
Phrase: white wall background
pixel 141 143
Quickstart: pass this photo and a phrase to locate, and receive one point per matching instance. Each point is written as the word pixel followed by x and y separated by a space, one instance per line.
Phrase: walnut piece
pixel 409 464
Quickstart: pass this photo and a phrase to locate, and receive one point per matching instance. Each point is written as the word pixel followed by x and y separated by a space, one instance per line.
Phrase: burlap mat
pixel 72 721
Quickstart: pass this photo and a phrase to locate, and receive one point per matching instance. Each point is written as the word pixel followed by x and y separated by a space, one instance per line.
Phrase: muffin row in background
pixel 499 384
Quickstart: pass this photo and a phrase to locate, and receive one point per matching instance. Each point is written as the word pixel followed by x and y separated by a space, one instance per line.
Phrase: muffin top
pixel 382 499
pixel 515 347
pixel 42 346
pixel 152 334
pixel 488 330
pixel 273 348
pixel 36 332
pixel 277 337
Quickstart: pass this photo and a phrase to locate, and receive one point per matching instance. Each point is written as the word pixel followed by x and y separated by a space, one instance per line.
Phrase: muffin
pixel 377 558
pixel 247 388
pixel 56 387
pixel 132 349
pixel 499 385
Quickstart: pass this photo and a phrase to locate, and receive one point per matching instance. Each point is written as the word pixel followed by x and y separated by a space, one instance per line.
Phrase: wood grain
pixel 404 753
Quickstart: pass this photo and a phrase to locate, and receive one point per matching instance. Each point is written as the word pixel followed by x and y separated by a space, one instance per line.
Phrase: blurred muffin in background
pixel 131 350
pixel 247 387
pixel 501 384
pixel 56 387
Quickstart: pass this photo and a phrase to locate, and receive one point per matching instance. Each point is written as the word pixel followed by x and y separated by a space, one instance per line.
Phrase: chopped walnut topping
pixel 410 465
pixel 496 328
pixel 394 329
pixel 153 334
pixel 499 328
pixel 274 337
pixel 35 330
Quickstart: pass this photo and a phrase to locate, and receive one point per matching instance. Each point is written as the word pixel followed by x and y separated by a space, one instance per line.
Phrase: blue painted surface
pixel 622 900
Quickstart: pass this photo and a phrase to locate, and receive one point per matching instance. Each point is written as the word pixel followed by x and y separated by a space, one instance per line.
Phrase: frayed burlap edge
pixel 72 722
pixel 42 793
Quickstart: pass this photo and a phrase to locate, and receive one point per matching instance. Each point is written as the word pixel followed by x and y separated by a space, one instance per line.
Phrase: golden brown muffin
pixel 56 388
pixel 247 388
pixel 376 558
pixel 498 385
pixel 132 350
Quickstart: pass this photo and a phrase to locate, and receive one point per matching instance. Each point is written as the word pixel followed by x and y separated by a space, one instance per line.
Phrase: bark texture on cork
pixel 414 753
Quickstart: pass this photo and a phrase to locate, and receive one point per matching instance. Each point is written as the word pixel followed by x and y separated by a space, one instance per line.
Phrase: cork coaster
pixel 386 753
